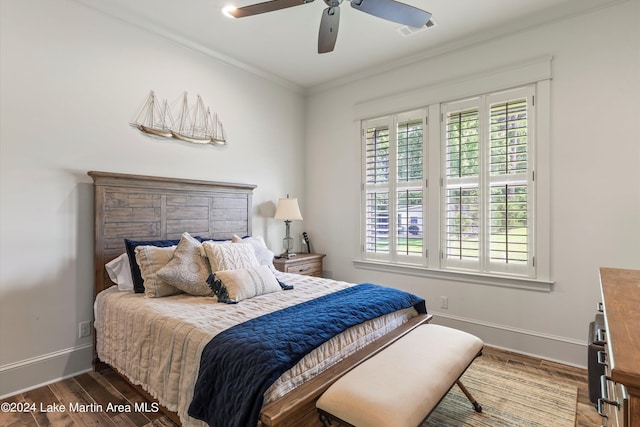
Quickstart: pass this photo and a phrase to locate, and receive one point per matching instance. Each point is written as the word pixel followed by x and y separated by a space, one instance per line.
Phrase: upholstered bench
pixel 402 384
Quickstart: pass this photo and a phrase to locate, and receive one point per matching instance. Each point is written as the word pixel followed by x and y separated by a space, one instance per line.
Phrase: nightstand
pixel 307 264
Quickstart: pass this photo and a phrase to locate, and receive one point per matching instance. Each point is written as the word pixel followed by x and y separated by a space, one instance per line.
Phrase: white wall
pixel 595 157
pixel 71 80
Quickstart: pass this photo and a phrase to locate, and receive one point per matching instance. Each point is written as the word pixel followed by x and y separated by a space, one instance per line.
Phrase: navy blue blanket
pixel 240 364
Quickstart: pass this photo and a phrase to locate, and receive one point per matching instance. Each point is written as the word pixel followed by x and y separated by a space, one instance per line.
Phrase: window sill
pixel 457 276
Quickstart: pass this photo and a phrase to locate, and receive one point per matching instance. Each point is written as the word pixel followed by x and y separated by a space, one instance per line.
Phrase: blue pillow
pixel 130 245
pixel 210 239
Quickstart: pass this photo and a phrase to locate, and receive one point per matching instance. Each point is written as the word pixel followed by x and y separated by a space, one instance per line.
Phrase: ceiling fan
pixel 390 10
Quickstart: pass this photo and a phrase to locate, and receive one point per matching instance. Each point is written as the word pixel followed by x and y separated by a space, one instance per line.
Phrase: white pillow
pixel 150 259
pixel 119 272
pixel 229 256
pixel 187 270
pixel 263 254
pixel 236 285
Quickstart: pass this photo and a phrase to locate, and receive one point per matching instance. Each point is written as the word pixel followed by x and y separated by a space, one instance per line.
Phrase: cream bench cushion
pixel 400 386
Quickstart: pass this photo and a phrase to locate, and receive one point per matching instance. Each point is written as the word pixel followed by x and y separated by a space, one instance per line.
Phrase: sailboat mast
pixel 183 113
pixel 152 108
pixel 165 113
pixel 194 119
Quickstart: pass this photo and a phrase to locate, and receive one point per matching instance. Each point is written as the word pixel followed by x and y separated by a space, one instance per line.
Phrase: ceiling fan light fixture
pixel 228 11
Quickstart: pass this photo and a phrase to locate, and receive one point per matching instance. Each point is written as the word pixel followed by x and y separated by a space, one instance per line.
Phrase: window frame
pixel 534 72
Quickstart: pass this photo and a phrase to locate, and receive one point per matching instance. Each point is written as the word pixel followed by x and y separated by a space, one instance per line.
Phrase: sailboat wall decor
pixel 153 118
pixel 193 124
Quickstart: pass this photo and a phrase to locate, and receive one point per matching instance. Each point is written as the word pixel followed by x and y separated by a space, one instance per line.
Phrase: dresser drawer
pixel 614 405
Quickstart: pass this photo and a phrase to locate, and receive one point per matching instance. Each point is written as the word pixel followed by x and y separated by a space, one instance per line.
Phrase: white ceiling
pixel 282 45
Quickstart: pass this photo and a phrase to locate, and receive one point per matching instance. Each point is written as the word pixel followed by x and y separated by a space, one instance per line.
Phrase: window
pixel 488 184
pixel 394 187
pixel 482 211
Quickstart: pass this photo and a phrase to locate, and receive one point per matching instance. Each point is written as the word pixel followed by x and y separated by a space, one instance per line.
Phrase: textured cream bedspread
pixel 157 342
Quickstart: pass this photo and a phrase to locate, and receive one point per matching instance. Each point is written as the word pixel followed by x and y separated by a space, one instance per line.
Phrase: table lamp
pixel 287 210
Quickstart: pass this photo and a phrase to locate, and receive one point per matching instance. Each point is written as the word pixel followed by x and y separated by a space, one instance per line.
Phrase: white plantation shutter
pixel 487 189
pixel 509 228
pixel 377 229
pixel 409 148
pixel 377 154
pixel 409 185
pixel 410 223
pixel 462 223
pixel 376 146
pixel 462 187
pixel 393 200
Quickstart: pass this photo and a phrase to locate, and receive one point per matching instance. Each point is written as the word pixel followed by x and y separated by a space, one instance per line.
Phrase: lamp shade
pixel 288 210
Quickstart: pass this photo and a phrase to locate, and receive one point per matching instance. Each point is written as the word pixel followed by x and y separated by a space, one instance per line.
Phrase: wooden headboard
pixel 154 208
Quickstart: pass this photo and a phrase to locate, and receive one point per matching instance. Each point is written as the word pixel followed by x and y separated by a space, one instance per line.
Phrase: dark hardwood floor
pixel 104 399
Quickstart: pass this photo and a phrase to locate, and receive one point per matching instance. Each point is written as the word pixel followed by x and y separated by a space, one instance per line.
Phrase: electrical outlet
pixel 84 329
pixel 444 302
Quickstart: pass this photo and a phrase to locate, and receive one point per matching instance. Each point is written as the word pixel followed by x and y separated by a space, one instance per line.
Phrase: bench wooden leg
pixel 476 405
pixel 325 421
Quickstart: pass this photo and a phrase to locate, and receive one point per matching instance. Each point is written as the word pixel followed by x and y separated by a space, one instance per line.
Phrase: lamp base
pixel 287 243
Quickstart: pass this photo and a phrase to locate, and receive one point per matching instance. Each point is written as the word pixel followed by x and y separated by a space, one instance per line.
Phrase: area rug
pixel 509 398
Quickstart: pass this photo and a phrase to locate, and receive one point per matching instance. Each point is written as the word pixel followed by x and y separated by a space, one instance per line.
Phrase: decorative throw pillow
pixel 187 270
pixel 151 259
pixel 119 272
pixel 232 286
pixel 263 254
pixel 229 256
pixel 130 246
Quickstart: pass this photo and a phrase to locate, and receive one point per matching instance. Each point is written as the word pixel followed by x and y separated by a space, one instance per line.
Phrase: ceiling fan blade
pixel 395 11
pixel 267 6
pixel 328 29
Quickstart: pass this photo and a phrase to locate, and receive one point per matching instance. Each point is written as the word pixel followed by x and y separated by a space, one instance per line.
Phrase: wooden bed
pixel 153 208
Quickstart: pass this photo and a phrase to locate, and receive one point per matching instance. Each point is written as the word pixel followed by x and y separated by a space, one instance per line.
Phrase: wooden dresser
pixel 620 402
pixel 307 264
